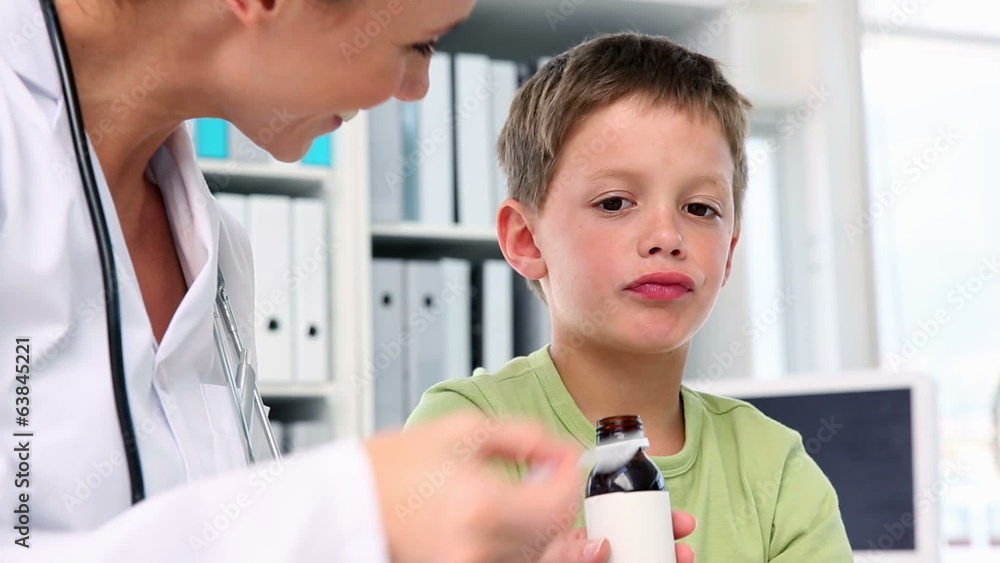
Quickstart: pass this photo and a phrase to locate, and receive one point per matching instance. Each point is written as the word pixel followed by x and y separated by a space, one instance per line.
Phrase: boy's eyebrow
pixel 622 173
pixel 717 180
pixel 714 179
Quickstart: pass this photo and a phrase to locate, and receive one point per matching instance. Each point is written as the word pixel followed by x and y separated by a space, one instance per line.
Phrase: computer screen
pixel 874 436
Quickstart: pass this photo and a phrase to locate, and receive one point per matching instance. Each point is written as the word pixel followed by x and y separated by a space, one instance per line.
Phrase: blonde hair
pixel 598 73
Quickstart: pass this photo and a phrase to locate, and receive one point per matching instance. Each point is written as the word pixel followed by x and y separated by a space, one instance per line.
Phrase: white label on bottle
pixel 638 525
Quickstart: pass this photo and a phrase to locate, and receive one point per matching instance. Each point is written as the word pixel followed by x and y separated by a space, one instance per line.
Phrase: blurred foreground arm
pixel 442 500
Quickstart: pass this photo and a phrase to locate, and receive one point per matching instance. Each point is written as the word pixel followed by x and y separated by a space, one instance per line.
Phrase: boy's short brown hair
pixel 596 74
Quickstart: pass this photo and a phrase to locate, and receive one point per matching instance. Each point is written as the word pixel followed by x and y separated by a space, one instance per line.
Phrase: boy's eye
pixel 614 204
pixel 426 48
pixel 700 210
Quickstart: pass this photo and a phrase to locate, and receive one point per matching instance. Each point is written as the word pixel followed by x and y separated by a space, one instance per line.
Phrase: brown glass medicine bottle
pixel 639 472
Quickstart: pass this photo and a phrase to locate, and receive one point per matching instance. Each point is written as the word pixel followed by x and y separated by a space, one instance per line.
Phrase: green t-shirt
pixel 757 494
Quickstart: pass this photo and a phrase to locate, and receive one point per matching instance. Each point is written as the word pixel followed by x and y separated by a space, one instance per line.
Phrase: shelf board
pixel 276 178
pixel 524 30
pixel 413 240
pixel 297 390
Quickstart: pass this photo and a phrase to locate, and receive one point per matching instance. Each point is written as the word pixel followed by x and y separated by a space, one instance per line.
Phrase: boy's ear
pixel 732 250
pixel 517 241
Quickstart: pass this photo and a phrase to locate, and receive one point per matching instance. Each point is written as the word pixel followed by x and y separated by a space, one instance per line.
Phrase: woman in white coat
pixel 295 68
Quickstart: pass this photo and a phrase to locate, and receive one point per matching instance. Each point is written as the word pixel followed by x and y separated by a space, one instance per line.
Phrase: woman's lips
pixel 343 117
pixel 348 115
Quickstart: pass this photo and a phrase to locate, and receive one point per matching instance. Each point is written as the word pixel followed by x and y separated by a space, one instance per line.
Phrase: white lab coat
pixel 202 502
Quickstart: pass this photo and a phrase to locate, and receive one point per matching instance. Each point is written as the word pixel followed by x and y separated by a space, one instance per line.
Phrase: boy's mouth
pixel 662 286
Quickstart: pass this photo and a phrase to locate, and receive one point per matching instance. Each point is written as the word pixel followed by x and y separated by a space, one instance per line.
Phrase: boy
pixel 627 173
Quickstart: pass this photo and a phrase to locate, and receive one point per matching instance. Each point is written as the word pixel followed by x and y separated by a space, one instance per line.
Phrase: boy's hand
pixel 443 500
pixel 574 547
pixel 684 524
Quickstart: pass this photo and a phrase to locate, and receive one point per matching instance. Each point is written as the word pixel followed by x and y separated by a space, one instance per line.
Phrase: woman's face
pixel 298 65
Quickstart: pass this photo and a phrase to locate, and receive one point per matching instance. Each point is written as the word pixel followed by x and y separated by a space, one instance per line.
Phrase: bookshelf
pixel 414 240
pixel 547 27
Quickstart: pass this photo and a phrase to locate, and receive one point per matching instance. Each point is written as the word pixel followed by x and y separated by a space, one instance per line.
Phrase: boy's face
pixel 637 232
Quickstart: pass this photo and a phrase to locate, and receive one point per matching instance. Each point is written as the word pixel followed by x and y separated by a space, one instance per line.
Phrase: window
pixel 933 126
pixel 768 297
pixel 745 336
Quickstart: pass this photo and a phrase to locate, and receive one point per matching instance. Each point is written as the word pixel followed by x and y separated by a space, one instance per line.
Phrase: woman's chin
pixel 284 153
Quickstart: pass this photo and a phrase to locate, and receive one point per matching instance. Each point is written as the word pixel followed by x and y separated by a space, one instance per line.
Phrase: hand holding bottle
pixel 444 501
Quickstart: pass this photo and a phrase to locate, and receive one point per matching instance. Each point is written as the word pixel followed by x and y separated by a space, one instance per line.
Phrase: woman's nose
pixel 415 82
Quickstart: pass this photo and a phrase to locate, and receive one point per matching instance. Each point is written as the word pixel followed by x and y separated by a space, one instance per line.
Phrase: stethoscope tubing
pixel 104 249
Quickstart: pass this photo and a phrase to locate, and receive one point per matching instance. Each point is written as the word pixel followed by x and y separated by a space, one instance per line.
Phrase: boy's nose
pixel 676 252
pixel 661 237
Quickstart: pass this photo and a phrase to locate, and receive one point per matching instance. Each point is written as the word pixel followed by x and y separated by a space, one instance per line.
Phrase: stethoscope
pixel 242 379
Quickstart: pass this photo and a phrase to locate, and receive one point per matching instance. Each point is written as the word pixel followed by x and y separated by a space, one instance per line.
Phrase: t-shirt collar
pixel 584 431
